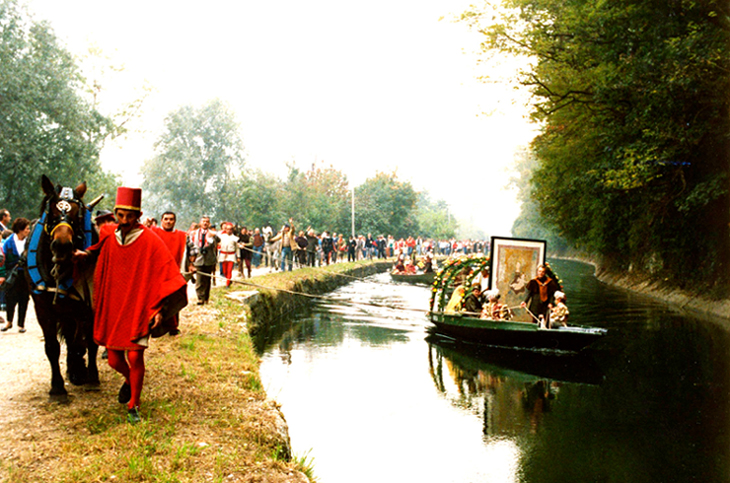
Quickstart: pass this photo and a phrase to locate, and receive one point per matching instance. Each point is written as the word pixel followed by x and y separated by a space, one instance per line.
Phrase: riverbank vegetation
pixel 631 165
pixel 205 417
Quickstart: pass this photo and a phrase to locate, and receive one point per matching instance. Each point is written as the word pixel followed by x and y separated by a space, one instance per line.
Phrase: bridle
pixel 51 223
pixel 81 236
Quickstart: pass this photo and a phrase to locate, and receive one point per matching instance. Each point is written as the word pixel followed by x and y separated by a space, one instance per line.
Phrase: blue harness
pixel 40 285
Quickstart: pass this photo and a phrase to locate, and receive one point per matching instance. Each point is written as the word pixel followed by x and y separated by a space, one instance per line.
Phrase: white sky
pixel 362 86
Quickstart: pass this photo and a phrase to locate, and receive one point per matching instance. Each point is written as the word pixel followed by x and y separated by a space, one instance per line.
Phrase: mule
pixel 62 293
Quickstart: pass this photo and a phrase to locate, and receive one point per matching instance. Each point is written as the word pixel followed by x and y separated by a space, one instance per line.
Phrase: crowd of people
pixel 162 260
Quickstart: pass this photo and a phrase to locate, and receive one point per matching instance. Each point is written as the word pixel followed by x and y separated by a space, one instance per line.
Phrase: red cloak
pixel 131 284
pixel 175 241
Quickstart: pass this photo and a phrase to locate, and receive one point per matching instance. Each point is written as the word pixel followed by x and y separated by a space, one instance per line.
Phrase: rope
pixel 312 296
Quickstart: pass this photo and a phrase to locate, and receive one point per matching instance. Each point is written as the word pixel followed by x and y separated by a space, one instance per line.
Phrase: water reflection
pixel 503 388
pixel 370 388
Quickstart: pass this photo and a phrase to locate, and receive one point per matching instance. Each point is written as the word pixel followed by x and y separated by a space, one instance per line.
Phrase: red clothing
pixel 131 283
pixel 175 241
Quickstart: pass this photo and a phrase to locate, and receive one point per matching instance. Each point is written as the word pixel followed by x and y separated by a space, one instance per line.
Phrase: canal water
pixel 371 395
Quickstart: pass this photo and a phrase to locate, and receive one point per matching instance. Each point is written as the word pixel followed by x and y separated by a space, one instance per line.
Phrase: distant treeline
pixel 633 158
pixel 50 124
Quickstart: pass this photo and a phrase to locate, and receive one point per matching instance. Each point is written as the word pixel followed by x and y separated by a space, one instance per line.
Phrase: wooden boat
pixel 448 320
pixel 419 278
pixel 515 334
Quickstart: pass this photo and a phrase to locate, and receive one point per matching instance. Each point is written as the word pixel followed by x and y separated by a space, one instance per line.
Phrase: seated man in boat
pixel 399 267
pixel 410 268
pixel 559 313
pixel 428 262
pixel 473 301
pixel 493 309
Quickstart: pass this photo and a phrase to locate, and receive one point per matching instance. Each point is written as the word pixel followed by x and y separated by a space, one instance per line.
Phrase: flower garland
pixel 452 268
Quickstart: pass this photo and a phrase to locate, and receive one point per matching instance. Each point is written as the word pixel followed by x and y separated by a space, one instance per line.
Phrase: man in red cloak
pixel 138 288
pixel 176 241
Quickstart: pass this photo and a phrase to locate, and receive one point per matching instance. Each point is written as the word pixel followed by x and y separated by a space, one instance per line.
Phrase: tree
pixel 45 124
pixel 256 198
pixel 319 197
pixel 385 205
pixel 633 154
pixel 433 218
pixel 198 158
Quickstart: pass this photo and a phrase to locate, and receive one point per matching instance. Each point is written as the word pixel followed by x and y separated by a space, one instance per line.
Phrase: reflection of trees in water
pixel 507 405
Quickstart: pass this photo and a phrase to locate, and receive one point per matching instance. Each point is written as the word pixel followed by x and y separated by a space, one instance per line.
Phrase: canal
pixel 371 395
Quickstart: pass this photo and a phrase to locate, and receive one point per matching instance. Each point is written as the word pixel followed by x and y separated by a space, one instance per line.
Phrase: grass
pixel 205 413
pixel 205 416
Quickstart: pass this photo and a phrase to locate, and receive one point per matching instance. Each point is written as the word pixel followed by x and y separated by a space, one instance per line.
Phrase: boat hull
pixel 419 278
pixel 515 334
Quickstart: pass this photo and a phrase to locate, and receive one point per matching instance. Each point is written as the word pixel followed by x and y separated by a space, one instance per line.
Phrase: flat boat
pixel 506 333
pixel 418 278
pixel 449 320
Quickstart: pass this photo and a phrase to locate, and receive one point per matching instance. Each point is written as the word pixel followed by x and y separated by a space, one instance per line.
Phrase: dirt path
pixel 25 380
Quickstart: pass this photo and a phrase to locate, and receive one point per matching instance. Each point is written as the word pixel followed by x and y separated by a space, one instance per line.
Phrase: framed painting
pixel 514 263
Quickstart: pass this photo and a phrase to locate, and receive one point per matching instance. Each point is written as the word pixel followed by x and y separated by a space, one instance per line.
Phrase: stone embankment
pixel 695 303
pixel 266 306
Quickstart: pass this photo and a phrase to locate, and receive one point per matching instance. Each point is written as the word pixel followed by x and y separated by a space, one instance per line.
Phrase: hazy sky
pixel 362 86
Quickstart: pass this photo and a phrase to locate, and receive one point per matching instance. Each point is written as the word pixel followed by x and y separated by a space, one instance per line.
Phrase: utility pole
pixel 353 212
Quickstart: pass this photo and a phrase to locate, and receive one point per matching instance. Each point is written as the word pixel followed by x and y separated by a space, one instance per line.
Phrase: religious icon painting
pixel 514 263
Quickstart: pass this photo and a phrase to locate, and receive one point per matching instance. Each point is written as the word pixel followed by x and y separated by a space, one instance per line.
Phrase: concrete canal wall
pixel 697 304
pixel 266 306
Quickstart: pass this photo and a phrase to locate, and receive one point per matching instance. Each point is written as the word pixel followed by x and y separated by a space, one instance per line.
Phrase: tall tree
pixel 319 197
pixel 634 149
pixel 433 218
pixel 46 126
pixel 384 205
pixel 197 159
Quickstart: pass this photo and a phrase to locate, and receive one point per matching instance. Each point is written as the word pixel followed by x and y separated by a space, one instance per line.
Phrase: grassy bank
pixel 206 416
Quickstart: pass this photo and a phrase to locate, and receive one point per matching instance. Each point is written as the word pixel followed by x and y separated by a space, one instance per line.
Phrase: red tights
pixel 227 271
pixel 132 368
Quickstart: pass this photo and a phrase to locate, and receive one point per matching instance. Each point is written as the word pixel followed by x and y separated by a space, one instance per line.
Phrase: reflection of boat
pixel 523 366
pixel 515 334
pixel 444 314
pixel 419 278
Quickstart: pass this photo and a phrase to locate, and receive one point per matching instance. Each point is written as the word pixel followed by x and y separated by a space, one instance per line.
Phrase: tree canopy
pixel 198 158
pixel 46 126
pixel 633 153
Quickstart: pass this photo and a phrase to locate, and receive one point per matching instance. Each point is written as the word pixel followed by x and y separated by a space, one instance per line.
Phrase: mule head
pixel 64 224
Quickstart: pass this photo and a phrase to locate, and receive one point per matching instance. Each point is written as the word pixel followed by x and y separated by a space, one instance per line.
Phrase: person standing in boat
pixel 540 295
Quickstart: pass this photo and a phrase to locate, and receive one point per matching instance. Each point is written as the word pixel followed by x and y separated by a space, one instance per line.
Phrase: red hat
pixel 129 199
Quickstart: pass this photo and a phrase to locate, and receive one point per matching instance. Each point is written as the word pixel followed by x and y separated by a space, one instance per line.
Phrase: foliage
pixel 446 278
pixel 385 205
pixel 529 223
pixel 633 154
pixel 45 124
pixel 319 198
pixel 198 159
pixel 256 199
pixel 433 218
